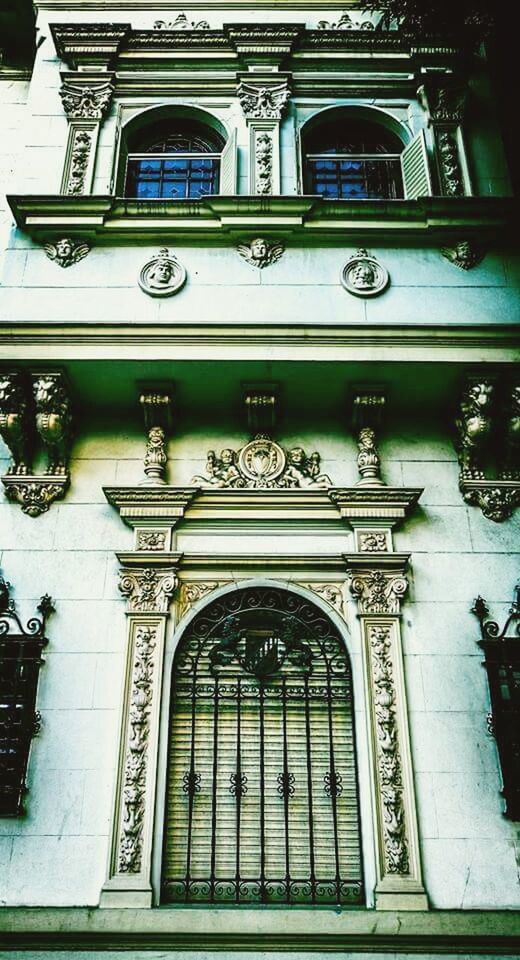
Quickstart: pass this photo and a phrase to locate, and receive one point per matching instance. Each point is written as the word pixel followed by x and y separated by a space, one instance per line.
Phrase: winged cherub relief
pixel 260 253
pixel 65 252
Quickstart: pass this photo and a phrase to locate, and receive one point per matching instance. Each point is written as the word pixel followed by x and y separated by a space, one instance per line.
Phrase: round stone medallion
pixel 364 276
pixel 163 276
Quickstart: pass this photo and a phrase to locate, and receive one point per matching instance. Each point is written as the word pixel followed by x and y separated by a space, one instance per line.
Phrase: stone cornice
pixel 388 931
pixel 105 219
pixel 389 504
pixel 184 341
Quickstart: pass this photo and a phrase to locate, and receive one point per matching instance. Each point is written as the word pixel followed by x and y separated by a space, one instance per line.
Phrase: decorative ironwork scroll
pixel 262 795
pixel 502 652
pixel 20 660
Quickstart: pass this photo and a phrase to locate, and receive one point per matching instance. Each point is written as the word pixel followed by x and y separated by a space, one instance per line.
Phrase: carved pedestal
pixel 148 590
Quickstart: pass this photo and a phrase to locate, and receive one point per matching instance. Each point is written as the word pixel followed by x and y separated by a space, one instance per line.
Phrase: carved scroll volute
pixel 379 592
pixel 148 591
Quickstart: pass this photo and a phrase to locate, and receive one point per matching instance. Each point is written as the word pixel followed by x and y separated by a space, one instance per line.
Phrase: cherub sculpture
pixel 65 252
pixel 53 420
pixel 464 254
pixel 304 470
pixel 16 427
pixel 474 427
pixel 259 253
pixel 221 472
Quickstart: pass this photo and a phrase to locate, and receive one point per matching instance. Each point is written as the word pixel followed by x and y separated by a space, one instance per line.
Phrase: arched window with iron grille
pixel 262 799
pixel 174 159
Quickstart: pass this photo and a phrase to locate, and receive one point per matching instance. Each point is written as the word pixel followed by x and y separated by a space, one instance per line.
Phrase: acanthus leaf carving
pixel 372 541
pixel 378 591
pixel 263 101
pixel 181 22
pixel 35 494
pixel 147 590
pixel 86 101
pixel 136 763
pixel 387 750
pixel 191 593
pixel 332 593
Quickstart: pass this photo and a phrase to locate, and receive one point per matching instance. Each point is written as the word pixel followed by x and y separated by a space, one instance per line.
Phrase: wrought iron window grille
pixel 262 802
pixel 20 661
pixel 502 662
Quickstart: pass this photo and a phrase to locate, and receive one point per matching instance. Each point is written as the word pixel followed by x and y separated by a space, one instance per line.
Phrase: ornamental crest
pixel 363 275
pixel 263 464
pixel 162 276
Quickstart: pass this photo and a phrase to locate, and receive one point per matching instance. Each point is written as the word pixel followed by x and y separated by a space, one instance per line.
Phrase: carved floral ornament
pixel 181 22
pixel 147 590
pixel 80 158
pixel 136 763
pixel 86 101
pixel 163 275
pixel 345 22
pixel 264 163
pixel 263 464
pixel 363 275
pixel 378 592
pixel 263 101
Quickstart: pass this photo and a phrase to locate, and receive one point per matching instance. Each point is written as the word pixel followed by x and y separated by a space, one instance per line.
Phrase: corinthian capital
pixel 378 591
pixel 148 590
pixel 263 100
pixel 86 99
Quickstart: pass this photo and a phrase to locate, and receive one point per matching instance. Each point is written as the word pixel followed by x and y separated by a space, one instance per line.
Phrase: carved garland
pixel 264 163
pixel 134 789
pixel 80 156
pixel 387 748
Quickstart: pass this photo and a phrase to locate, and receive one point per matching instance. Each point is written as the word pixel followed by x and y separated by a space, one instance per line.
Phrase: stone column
pixel 148 590
pixel 444 103
pixel 263 100
pixel 86 99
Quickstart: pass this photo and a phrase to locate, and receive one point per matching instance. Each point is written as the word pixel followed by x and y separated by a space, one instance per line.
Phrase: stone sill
pixel 104 219
pixel 310 929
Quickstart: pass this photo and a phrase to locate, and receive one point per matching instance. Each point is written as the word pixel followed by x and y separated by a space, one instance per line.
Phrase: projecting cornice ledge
pixel 106 219
pixel 436 932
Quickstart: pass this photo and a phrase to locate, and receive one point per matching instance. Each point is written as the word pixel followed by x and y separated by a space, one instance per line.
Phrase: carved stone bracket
pixel 86 96
pixel 35 494
pixel 487 420
pixel 24 414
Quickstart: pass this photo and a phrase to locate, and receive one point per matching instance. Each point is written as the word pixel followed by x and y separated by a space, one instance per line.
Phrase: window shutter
pixel 228 166
pixel 415 168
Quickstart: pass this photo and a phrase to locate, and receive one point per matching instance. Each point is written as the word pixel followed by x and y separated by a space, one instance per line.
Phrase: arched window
pixel 262 801
pixel 350 158
pixel 174 159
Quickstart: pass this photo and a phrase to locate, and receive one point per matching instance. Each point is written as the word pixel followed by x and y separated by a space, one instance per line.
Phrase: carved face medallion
pixel 163 276
pixel 364 276
pixel 262 461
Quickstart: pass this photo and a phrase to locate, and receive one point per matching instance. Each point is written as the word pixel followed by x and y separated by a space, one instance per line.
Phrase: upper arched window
pixel 175 159
pixel 262 802
pixel 348 158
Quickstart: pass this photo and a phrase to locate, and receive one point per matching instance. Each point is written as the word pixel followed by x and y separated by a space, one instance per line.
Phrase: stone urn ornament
pixel 363 275
pixel 163 276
